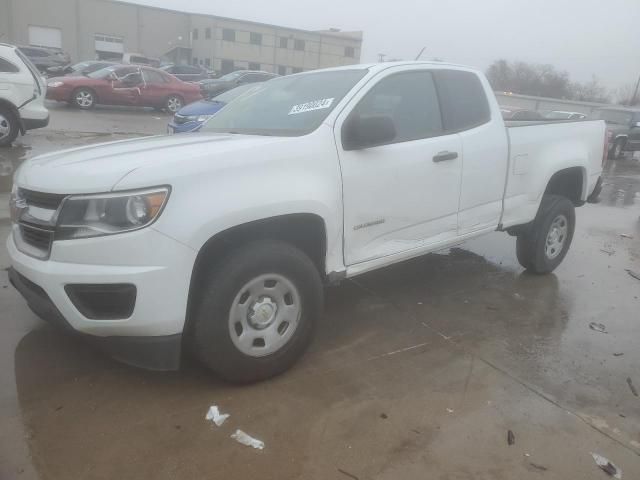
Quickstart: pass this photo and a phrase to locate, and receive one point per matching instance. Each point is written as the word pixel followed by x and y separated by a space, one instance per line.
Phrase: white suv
pixel 22 93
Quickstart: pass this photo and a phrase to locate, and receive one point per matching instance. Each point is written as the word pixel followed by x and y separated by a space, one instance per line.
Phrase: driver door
pixel 126 86
pixel 402 194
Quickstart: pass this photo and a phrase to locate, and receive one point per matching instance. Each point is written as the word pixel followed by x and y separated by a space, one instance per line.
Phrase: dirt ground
pixel 418 371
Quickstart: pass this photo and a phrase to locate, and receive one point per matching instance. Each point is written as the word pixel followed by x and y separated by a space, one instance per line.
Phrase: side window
pixel 7 67
pixel 463 99
pixel 152 77
pixel 410 100
pixel 122 72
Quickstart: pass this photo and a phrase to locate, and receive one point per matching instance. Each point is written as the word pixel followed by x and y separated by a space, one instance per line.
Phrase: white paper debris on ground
pixel 607 466
pixel 247 440
pixel 215 416
pixel 449 410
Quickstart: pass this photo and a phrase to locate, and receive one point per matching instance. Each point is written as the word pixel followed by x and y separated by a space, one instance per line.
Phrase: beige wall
pixel 153 32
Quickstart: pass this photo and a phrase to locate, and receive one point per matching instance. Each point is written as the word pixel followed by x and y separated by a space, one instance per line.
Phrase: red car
pixel 130 85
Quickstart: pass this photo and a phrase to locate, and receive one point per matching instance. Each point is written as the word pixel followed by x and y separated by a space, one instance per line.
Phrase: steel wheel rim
pixel 556 237
pixel 264 315
pixel 5 127
pixel 84 98
pixel 174 104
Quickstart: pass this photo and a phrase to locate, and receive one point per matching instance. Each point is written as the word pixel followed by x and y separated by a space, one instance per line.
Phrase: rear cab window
pixel 463 100
pixel 7 67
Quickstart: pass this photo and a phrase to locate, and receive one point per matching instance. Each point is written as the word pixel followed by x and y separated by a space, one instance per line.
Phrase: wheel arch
pixel 569 182
pixel 306 231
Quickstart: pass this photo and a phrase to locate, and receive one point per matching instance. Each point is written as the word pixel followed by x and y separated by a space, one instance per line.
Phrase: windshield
pixel 558 115
pixel 102 73
pixel 618 117
pixel 287 106
pixel 229 95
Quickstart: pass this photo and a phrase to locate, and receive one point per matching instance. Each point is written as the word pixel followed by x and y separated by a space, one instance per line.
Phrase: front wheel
pixel 83 98
pixel 543 246
pixel 257 312
pixel 173 104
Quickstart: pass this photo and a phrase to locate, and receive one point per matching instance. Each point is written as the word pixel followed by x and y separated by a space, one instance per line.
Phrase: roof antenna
pixel 421 52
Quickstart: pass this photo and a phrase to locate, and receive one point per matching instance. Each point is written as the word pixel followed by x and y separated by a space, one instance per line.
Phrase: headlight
pixel 55 84
pixel 204 118
pixel 85 216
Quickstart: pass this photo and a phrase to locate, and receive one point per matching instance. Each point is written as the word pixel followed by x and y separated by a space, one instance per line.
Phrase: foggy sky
pixel 583 37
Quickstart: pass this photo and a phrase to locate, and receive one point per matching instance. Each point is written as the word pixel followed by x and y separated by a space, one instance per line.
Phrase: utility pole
pixel 381 57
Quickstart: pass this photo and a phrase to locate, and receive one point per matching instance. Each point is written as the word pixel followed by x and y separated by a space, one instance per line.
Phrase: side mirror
pixel 365 132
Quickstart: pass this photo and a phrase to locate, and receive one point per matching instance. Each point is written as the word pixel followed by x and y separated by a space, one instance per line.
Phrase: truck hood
pixel 98 168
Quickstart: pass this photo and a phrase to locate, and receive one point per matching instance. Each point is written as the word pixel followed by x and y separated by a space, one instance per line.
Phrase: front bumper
pixel 173 127
pixel 158 266
pixel 33 123
pixel 152 353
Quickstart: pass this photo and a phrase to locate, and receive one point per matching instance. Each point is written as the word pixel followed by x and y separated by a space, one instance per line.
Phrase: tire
pixel 617 149
pixel 173 103
pixel 240 298
pixel 543 246
pixel 9 127
pixel 83 98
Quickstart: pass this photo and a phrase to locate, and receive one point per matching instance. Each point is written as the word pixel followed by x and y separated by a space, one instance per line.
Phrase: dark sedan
pixel 211 88
pixel 187 73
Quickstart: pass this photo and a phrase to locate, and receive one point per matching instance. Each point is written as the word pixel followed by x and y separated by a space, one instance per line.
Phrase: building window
pixel 298 45
pixel 284 42
pixel 194 61
pixel 349 52
pixel 227 66
pixel 229 35
pixel 254 66
pixel 282 70
pixel 207 62
pixel 195 34
pixel 296 70
pixel 207 33
pixel 255 38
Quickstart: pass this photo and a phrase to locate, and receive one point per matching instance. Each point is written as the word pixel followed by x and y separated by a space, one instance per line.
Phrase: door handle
pixel 444 156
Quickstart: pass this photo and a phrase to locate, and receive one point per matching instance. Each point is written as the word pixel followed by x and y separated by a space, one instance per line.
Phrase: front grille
pixel 37 237
pixel 180 120
pixel 49 201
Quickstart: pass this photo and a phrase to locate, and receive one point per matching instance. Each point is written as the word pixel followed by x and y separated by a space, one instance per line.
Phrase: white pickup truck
pixel 220 241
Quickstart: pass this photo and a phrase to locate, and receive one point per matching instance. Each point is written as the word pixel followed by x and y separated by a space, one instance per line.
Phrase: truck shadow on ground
pixel 438 302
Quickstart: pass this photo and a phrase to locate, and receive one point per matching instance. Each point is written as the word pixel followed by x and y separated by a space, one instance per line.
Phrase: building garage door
pixel 45 37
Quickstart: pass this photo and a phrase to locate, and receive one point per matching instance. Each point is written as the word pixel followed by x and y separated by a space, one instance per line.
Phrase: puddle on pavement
pixel 621 187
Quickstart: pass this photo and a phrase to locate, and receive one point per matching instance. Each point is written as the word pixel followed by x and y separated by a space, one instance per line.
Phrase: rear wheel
pixel 543 246
pixel 617 149
pixel 257 312
pixel 9 126
pixel 83 98
pixel 173 104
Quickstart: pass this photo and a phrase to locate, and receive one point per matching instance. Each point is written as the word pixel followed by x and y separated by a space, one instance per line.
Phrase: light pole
pixel 635 93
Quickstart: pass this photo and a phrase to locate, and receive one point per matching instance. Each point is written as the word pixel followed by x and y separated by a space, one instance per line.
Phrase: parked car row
pixel 129 85
pixel 231 80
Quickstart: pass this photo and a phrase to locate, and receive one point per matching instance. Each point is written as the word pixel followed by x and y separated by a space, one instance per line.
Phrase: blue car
pixel 191 117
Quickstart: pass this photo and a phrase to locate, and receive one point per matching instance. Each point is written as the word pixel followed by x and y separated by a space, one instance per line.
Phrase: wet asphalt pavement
pixel 417 371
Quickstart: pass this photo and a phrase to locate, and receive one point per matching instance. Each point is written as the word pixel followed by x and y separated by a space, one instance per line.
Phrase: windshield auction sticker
pixel 311 106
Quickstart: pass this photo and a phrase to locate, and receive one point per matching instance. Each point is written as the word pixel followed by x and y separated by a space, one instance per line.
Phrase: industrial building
pixel 91 29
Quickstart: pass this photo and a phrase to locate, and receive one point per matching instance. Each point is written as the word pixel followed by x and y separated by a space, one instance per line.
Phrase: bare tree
pixel 591 91
pixel 624 95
